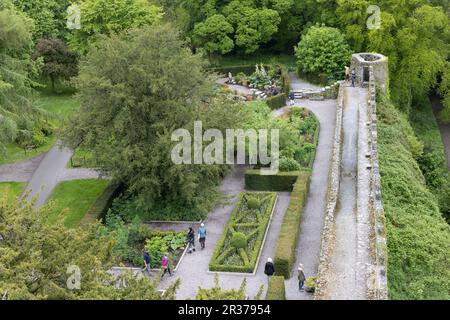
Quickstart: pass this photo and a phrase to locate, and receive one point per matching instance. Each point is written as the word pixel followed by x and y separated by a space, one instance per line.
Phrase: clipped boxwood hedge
pixel 285 252
pixel 258 230
pixel 283 181
pixel 276 289
pixel 277 102
pixel 98 210
pixel 247 69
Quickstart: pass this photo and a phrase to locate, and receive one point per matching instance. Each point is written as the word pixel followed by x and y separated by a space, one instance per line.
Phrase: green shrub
pixel 289 164
pixel 217 293
pixel 277 102
pixel 310 284
pixel 282 181
pixel 276 289
pixel 253 203
pixel 253 224
pixel 238 240
pixel 285 252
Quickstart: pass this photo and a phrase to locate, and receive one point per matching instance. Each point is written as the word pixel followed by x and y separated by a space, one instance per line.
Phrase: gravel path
pixel 21 171
pixel 345 282
pixel 308 248
pixel 193 270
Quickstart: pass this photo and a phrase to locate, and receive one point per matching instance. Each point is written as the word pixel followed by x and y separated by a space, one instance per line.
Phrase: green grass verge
pixel 11 190
pixel 276 289
pixel 418 236
pixel 73 200
pixel 14 153
pixel 285 252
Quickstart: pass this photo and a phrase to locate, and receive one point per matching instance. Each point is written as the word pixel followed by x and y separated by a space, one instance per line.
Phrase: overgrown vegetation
pixel 418 236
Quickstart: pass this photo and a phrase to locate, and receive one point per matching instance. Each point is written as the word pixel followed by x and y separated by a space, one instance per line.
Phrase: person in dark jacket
pixel 353 78
pixel 301 277
pixel 269 269
pixel 147 261
pixel 291 98
pixel 191 240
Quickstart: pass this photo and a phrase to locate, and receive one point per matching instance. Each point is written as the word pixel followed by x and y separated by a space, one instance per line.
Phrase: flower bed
pixel 239 247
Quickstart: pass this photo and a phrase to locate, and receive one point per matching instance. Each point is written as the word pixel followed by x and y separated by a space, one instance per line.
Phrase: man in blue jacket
pixel 202 235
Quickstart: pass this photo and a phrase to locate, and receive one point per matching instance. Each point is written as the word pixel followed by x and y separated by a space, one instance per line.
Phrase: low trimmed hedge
pixel 285 252
pixel 276 289
pixel 283 181
pixel 260 227
pixel 316 143
pixel 100 207
pixel 277 102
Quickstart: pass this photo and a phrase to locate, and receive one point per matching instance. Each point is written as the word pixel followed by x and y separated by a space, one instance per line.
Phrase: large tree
pixel 59 62
pixel 17 114
pixel 135 90
pixel 323 50
pixel 39 260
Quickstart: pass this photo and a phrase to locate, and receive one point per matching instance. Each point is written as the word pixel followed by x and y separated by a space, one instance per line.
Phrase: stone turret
pixel 361 63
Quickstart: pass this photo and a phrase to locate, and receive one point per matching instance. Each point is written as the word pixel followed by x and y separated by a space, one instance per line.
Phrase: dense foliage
pixel 217 293
pixel 323 50
pixel 35 257
pixel 105 17
pixel 418 236
pixel 136 88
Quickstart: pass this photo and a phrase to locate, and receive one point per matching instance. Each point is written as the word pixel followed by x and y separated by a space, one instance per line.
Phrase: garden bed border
pixel 260 249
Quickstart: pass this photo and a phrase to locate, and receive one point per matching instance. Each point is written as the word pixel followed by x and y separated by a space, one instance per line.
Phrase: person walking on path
pixel 301 277
pixel 202 235
pixel 269 269
pixel 353 78
pixel 165 265
pixel 191 240
pixel 292 98
pixel 147 261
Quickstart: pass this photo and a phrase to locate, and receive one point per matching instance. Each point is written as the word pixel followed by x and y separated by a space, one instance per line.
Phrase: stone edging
pixel 328 231
pixel 377 288
pixel 260 250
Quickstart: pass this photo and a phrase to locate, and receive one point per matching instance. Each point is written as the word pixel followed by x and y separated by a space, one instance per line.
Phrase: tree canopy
pixel 111 16
pixel 136 88
pixel 39 260
pixel 323 50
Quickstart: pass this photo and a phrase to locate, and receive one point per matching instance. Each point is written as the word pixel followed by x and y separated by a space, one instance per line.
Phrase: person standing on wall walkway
pixel 202 235
pixel 353 78
pixel 269 269
pixel 301 278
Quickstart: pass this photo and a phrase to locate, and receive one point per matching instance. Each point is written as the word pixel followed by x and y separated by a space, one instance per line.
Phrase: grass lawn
pixel 11 189
pixel 74 198
pixel 14 153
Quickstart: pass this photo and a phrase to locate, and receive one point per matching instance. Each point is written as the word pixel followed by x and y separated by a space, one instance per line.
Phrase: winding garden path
pixel 193 270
